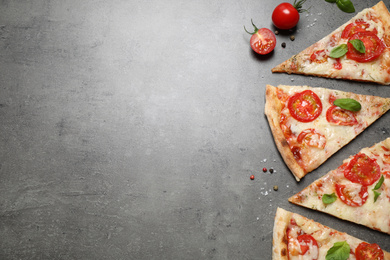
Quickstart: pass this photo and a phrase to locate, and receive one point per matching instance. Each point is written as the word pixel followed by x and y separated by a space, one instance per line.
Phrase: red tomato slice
pixel 305 106
pixel 263 41
pixel 338 116
pixel 366 251
pixel 352 28
pixel 319 56
pixel 350 196
pixel 312 138
pixel 362 169
pixel 374 47
pixel 337 64
pixel 305 241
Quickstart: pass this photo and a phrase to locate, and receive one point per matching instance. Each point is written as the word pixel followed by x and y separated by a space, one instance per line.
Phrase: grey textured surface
pixel 129 129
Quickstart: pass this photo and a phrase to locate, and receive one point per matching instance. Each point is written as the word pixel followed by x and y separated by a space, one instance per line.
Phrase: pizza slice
pixel 297 237
pixel 308 127
pixel 341 54
pixel 357 191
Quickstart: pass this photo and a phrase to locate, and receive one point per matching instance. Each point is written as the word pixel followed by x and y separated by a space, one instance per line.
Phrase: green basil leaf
pixel 348 104
pixel 329 198
pixel 331 1
pixel 346 6
pixel 338 51
pixel 376 195
pixel 358 45
pixel 339 251
pixel 379 184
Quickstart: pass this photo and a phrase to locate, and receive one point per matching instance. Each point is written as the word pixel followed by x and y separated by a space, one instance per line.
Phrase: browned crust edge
pixel 273 108
pixel 384 15
pixel 279 240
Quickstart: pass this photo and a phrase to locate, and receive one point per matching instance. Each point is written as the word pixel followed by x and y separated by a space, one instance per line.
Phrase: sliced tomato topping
pixel 366 251
pixel 374 47
pixel 337 64
pixel 332 98
pixel 338 116
pixel 305 106
pixel 351 195
pixel 306 243
pixel 319 56
pixel 362 169
pixel 352 28
pixel 312 138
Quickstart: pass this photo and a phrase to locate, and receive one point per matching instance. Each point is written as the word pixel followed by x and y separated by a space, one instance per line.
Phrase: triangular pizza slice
pixel 341 54
pixel 311 124
pixel 297 237
pixel 357 191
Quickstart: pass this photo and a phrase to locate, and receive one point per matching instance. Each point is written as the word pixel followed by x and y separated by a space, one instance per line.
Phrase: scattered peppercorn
pixel 252 177
pixel 264 169
pixel 276 32
pixel 271 170
pixel 283 45
pixel 292 37
pixel 276 187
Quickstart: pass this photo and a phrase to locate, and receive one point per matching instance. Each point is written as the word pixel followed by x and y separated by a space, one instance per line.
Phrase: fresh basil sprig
pixel 329 198
pixel 377 187
pixel 339 251
pixel 342 49
pixel 343 5
pixel 358 45
pixel 338 51
pixel 348 104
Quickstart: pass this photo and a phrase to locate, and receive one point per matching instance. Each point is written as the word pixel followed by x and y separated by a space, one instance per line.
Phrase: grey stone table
pixel 129 129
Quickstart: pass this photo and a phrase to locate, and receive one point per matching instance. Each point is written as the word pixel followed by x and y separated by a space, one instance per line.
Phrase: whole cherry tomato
pixel 263 40
pixel 286 15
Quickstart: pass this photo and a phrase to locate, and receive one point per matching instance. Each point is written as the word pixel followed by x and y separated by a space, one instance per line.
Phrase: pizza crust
pixel 279 241
pixel 273 107
pixel 384 15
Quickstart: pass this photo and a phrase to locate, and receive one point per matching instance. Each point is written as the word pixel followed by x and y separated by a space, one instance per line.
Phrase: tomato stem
pixel 254 26
pixel 298 6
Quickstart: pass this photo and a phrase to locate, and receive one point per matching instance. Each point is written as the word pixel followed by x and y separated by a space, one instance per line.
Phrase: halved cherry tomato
pixel 338 116
pixel 366 251
pixel 362 169
pixel 305 106
pixel 263 40
pixel 305 241
pixel 374 47
pixel 352 28
pixel 319 56
pixel 312 138
pixel 350 196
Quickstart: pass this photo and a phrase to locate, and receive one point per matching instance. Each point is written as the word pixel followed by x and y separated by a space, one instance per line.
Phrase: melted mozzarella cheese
pixel 350 69
pixel 374 214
